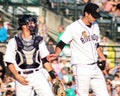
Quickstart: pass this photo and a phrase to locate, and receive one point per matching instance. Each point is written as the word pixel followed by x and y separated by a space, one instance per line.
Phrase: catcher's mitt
pixel 58 88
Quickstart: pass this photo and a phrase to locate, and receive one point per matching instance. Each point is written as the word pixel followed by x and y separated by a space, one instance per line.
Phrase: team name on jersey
pixel 88 38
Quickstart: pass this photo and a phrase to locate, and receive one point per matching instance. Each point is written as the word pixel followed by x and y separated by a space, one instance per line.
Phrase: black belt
pixel 27 72
pixel 92 63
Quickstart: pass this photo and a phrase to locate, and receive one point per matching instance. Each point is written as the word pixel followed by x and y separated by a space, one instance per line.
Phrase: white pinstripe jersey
pixel 11 52
pixel 82 40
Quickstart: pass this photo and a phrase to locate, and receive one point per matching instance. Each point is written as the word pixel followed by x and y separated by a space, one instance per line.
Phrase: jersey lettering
pixel 89 38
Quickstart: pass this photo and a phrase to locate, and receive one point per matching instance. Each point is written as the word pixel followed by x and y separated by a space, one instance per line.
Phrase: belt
pixel 28 72
pixel 92 63
pixel 83 64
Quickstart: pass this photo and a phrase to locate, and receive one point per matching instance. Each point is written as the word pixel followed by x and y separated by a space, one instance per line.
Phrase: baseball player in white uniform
pixel 23 59
pixel 83 36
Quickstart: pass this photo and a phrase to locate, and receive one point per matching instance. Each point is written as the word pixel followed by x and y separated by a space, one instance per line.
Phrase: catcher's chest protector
pixel 27 53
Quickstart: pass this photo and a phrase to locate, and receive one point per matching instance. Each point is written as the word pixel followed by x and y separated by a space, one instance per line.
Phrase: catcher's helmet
pixel 24 19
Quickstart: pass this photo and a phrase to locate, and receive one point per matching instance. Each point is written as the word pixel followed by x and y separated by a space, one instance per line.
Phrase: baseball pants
pixel 37 83
pixel 89 76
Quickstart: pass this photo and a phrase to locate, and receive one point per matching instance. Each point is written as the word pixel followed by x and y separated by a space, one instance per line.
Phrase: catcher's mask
pixel 29 21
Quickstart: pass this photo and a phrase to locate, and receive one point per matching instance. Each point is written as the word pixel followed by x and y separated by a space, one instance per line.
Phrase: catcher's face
pixel 32 27
pixel 31 23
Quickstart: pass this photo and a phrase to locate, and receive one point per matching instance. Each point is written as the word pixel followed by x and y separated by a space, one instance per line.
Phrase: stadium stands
pixel 66 13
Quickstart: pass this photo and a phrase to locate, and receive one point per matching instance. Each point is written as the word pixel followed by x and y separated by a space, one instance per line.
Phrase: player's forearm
pixel 57 51
pixel 100 53
pixel 13 70
pixel 48 66
pixel 50 70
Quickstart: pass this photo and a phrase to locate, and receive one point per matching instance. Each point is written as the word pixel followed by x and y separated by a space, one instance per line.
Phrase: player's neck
pixel 85 21
pixel 26 34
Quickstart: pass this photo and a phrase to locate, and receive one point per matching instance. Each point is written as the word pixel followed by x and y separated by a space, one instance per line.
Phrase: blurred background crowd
pixel 53 17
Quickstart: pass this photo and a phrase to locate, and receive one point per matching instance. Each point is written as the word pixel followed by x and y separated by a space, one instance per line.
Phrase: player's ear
pixel 86 13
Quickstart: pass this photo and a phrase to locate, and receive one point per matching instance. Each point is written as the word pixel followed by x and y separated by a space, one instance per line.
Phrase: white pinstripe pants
pixel 89 75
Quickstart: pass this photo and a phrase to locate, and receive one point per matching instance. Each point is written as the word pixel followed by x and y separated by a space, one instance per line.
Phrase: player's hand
pixel 51 57
pixel 21 79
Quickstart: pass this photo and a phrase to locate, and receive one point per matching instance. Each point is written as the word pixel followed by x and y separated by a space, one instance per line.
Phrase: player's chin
pixel 92 21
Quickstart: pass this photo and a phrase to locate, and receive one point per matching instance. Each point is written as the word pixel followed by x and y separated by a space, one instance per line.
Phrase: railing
pixel 12 8
pixel 109 25
pixel 21 2
pixel 10 17
pixel 113 54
